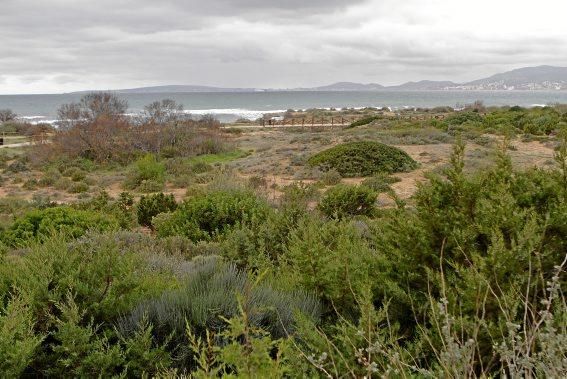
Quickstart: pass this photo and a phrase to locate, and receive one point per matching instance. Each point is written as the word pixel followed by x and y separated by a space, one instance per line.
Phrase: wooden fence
pixel 341 121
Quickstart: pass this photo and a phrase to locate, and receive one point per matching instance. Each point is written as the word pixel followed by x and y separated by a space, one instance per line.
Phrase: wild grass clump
pixel 363 159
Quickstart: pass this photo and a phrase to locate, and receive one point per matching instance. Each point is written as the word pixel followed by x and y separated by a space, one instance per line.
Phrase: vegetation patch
pixel 363 159
pixel 346 201
pixel 40 224
pixel 204 216
pixel 364 121
pixel 219 158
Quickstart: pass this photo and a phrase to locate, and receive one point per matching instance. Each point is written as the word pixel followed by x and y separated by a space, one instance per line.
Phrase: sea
pixel 230 106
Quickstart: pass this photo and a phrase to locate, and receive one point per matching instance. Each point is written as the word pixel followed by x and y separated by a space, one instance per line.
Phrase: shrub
pixel 299 193
pixel 459 118
pixel 78 187
pixel 18 342
pixel 39 224
pixel 17 166
pixel 150 186
pixel 209 292
pixel 346 201
pixel 204 216
pixel 72 294
pixel 63 183
pixel 331 177
pixel 49 178
pixel 380 182
pixel 364 121
pixel 146 169
pixel 151 206
pixel 30 184
pixel 363 159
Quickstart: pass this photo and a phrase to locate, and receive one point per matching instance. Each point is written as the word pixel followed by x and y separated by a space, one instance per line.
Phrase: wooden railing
pixel 342 120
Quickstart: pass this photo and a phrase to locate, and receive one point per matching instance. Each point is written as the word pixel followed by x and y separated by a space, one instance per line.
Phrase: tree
pixel 7 115
pixel 93 106
pixel 164 111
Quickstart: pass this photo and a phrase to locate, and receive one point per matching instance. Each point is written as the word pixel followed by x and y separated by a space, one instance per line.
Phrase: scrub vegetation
pixel 167 247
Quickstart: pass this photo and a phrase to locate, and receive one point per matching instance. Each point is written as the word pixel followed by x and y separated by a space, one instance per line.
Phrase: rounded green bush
pixel 346 201
pixel 363 159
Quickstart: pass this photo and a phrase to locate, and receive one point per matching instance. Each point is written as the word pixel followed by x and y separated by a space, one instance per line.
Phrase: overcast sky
pixel 52 46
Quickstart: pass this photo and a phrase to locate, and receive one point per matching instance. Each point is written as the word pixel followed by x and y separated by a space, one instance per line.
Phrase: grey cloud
pixel 67 45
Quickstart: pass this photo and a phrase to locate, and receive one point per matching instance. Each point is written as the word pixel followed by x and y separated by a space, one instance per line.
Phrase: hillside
pixel 527 78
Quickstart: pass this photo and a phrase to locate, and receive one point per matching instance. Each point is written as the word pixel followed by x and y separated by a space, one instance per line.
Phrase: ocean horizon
pixel 230 106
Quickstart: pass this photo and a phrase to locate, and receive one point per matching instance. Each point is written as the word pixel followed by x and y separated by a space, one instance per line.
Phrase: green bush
pixel 363 159
pixel 152 205
pixel 150 186
pixel 39 224
pixel 331 177
pixel 146 170
pixel 204 216
pixel 299 193
pixel 78 187
pixel 380 182
pixel 63 301
pixel 49 178
pixel 459 118
pixel 346 201
pixel 364 121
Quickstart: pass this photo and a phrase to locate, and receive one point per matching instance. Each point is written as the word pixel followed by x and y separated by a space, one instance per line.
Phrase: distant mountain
pixel 527 78
pixel 424 85
pixel 346 86
pixel 183 89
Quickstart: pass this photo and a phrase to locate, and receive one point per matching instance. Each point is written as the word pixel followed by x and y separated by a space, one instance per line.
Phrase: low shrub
pixel 49 178
pixel 210 292
pixel 364 121
pixel 146 169
pixel 150 186
pixel 78 187
pixel 346 201
pixel 380 182
pixel 17 166
pixel 30 184
pixel 39 224
pixel 151 206
pixel 299 193
pixel 331 177
pixel 363 159
pixel 459 118
pixel 203 216
pixel 62 183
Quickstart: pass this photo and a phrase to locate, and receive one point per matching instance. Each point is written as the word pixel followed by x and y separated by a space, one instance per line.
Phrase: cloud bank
pixel 49 46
